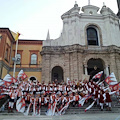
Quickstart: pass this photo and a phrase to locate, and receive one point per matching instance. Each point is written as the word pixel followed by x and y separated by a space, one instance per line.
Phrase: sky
pixel 33 18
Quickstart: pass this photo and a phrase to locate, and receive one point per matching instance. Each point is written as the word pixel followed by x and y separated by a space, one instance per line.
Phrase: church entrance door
pixel 95 66
pixel 57 74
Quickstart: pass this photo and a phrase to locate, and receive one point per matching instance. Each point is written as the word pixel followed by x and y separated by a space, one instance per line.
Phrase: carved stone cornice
pixel 80 49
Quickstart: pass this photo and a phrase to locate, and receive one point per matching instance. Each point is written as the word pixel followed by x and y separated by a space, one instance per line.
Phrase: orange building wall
pixel 26 48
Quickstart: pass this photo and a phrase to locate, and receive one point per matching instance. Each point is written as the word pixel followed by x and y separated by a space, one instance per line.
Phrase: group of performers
pixel 56 96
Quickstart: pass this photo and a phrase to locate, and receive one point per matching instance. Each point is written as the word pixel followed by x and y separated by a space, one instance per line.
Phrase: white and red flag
pixel 98 75
pixel 21 75
pixel 49 111
pixel 62 111
pixel 111 79
pixel 82 101
pixel 1 82
pixel 115 87
pixel 90 106
pixel 20 105
pixel 8 80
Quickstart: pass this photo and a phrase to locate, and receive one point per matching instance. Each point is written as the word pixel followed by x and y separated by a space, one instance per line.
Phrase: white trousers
pixel 11 104
pixel 101 105
pixel 108 104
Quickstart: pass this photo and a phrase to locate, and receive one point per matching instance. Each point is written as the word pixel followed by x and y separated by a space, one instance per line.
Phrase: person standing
pixel 12 96
pixel 101 100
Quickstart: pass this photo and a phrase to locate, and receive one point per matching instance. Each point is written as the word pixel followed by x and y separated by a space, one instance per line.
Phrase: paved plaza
pixel 103 116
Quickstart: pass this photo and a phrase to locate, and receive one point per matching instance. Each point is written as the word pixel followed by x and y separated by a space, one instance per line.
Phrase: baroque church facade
pixel 89 43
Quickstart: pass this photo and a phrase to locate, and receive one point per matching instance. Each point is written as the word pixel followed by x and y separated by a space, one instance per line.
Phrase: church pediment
pixel 73 10
pixel 90 9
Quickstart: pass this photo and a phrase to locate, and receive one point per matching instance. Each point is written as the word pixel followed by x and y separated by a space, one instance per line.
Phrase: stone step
pixel 75 110
pixel 69 111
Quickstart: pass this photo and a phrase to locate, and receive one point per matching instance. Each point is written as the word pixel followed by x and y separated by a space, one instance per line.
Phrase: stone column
pixel 75 66
pixel 67 67
pixel 107 70
pixel 86 72
pixel 46 68
pixel 80 66
pixel 113 65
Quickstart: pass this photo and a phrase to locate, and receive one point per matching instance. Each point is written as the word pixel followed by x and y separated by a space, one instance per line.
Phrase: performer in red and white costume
pixel 108 99
pixel 101 99
pixel 47 100
pixel 52 97
pixel 76 98
pixel 96 96
pixel 12 95
pixel 27 99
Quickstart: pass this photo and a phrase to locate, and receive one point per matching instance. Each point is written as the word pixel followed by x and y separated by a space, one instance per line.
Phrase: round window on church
pixel 90 12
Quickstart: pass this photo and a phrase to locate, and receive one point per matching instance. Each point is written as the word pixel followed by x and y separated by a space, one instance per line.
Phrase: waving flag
pixel 17 36
pixel 20 105
pixel 115 87
pixel 1 82
pixel 98 75
pixel 111 79
pixel 49 111
pixel 62 111
pixel 7 83
pixel 90 106
pixel 21 75
pixel 82 101
pixel 10 79
pixel 54 107
pixel 28 109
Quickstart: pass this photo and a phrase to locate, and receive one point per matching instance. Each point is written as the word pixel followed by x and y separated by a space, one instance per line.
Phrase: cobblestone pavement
pixel 103 116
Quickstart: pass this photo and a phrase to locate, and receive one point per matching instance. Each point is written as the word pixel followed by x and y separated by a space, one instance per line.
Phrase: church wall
pixel 118 66
pixel 46 68
pixel 74 61
pixel 67 66
pixel 115 65
pixel 71 64
pixel 74 26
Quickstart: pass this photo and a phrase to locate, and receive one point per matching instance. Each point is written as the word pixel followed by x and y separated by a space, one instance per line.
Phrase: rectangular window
pixel 33 59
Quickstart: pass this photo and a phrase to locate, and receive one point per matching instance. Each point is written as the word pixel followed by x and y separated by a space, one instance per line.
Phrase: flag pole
pixel 15 58
pixel 16 39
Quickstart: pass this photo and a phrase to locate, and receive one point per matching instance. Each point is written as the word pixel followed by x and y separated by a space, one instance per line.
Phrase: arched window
pixel 92 36
pixel 18 59
pixel 33 59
